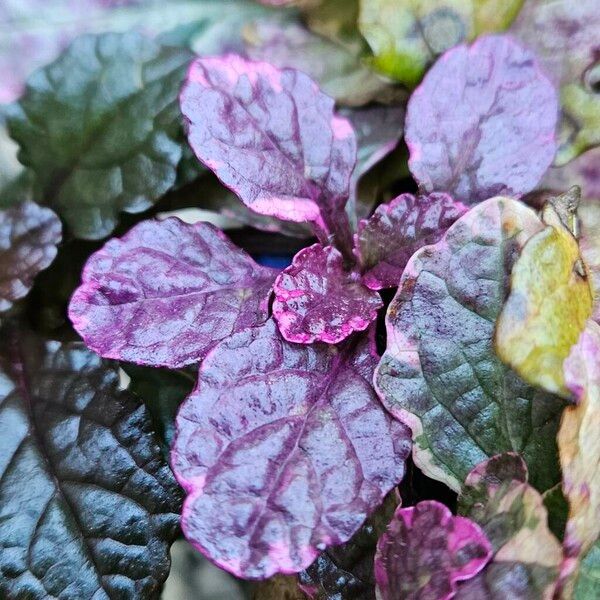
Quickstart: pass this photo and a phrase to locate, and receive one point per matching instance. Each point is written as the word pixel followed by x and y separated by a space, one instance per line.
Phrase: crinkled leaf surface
pixel 29 235
pixel 440 374
pixel 527 557
pixel 547 308
pixel 378 130
pixel 317 300
pixel 482 122
pixel 98 128
pixel 406 35
pixel 336 67
pixel 579 444
pixel 386 240
pixel 345 572
pixel 88 506
pixel 166 292
pixel 588 582
pixel 271 136
pixel 564 35
pixel 426 551
pixel 283 449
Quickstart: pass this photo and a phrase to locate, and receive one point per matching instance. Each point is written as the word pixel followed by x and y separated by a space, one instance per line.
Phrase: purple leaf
pixel 317 300
pixel 272 137
pixel 386 240
pixel 284 450
pixel 482 122
pixel 426 550
pixel 166 292
pixel 29 235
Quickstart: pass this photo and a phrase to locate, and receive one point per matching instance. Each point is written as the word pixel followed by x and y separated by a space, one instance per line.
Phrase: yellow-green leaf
pixel 547 307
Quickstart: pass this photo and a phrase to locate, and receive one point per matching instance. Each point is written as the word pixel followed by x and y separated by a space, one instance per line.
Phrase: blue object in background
pixel 274 260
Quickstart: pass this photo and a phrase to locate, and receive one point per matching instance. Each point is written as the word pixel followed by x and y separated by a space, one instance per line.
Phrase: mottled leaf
pixel 337 68
pixel 386 240
pixel 548 305
pixel 587 586
pixel 345 572
pixel 579 446
pixel 482 122
pixel 564 35
pixel 317 300
pixel 271 136
pixel 527 557
pixel 166 292
pixel 29 235
pixel 284 450
pixel 378 130
pixel 98 127
pixel 426 551
pixel 88 506
pixel 406 36
pixel 440 374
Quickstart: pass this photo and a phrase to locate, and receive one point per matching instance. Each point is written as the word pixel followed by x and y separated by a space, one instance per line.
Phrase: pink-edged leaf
pixel 166 292
pixel 271 136
pixel 395 231
pixel 482 122
pixel 426 550
pixel 29 235
pixel 317 300
pixel 283 450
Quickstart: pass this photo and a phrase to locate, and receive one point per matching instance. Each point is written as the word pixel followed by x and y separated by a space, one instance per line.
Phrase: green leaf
pixel 587 586
pixel 100 128
pixel 440 374
pixel 407 35
pixel 88 506
pixel 527 556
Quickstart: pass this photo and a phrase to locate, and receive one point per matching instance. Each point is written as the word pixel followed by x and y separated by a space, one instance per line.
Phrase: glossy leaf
pixel 166 292
pixel 283 450
pixel 547 308
pixel 88 506
pixel 564 35
pixel 386 241
pixel 29 235
pixel 336 67
pixel 527 557
pixel 406 36
pixel 426 551
pixel 482 122
pixel 440 374
pixel 98 128
pixel 271 136
pixel 579 446
pixel 317 300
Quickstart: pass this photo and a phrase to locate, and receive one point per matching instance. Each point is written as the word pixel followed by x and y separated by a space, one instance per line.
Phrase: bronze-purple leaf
pixel 316 299
pixel 426 551
pixel 283 449
pixel 29 235
pixel 166 292
pixel 482 122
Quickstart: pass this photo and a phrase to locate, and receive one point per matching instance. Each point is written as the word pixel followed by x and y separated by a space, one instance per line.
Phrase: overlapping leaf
pixel 385 242
pixel 316 299
pixel 440 374
pixel 405 35
pixel 549 303
pixel 283 449
pixel 29 235
pixel 527 557
pixel 579 446
pixel 482 122
pixel 426 551
pixel 88 506
pixel 166 292
pixel 271 136
pixel 98 128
